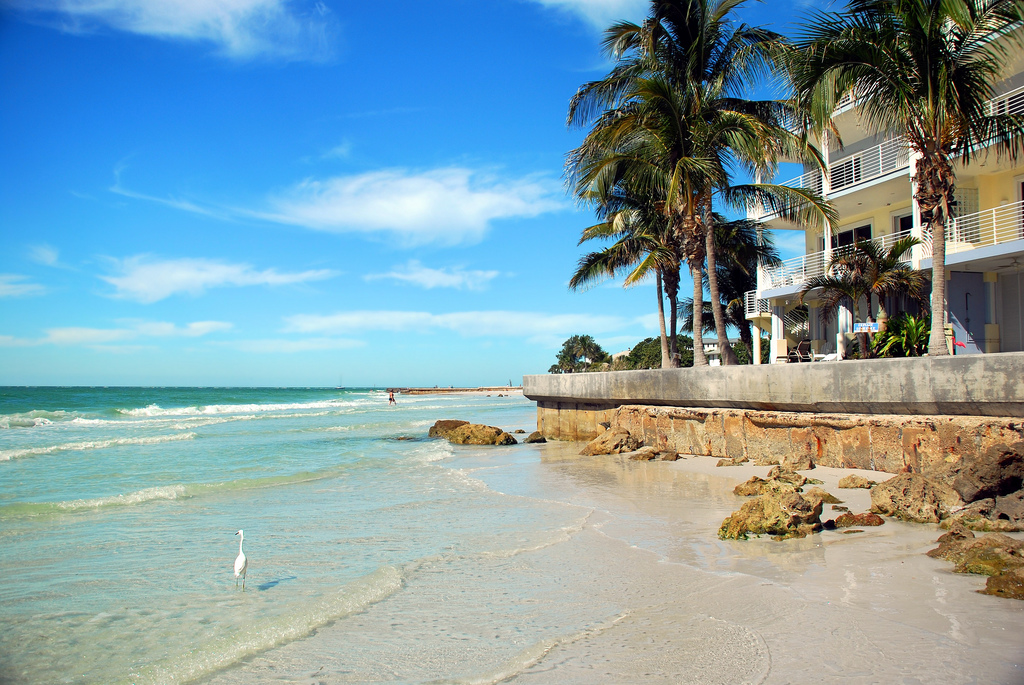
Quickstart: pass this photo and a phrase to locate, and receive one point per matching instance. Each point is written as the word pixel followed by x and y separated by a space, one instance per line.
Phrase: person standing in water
pixel 391 398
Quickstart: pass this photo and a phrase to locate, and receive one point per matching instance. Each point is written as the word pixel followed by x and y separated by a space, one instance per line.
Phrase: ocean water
pixel 377 555
pixel 118 508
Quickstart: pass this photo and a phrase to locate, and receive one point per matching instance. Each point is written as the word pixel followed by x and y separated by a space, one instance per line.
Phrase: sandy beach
pixel 670 602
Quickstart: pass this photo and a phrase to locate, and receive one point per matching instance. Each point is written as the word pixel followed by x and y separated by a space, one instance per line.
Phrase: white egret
pixel 241 563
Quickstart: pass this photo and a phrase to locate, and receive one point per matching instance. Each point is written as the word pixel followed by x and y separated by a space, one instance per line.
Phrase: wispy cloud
pixel 340 151
pixel 450 205
pixel 15 285
pixel 128 331
pixel 470 324
pixel 425 277
pixel 601 13
pixel 195 329
pixel 44 254
pixel 145 279
pixel 239 29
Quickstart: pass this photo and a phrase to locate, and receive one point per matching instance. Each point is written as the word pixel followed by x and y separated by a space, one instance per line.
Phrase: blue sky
pixel 265 192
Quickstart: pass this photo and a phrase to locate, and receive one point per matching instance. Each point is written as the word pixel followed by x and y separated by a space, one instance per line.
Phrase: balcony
pixel 861 167
pixel 799 270
pixel 983 229
pixel 972 231
pixel 754 306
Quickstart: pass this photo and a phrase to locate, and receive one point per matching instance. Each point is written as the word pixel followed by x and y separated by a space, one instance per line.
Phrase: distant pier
pixel 453 390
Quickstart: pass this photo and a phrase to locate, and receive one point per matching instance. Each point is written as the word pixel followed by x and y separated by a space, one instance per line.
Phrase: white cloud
pixel 43 254
pixel 130 331
pixel 11 285
pixel 192 330
pixel 147 280
pixel 273 346
pixel 449 205
pixel 531 325
pixel 425 277
pixel 601 13
pixel 240 29
pixel 86 336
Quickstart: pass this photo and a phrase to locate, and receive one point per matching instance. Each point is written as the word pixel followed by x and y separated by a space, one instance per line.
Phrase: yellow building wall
pixel 880 219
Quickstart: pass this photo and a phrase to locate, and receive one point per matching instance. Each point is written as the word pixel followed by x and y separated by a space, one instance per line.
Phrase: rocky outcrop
pixel 759 486
pixel 479 434
pixel 1009 584
pixel 822 495
pixel 534 437
pixel 999 471
pixel 912 497
pixel 669 455
pixel 851 520
pixel 995 555
pixel 855 481
pixel 644 454
pixel 989 515
pixel 442 428
pixel 779 480
pixel 782 515
pixel 612 441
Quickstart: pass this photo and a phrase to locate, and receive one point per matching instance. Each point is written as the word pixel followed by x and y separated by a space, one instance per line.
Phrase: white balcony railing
pixel 980 229
pixel 799 270
pixel 863 166
pixel 987 227
pixel 1007 103
pixel 753 305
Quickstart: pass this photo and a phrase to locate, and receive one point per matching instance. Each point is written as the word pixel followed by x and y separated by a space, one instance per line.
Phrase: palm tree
pixel 642 245
pixel 924 69
pixel 670 120
pixel 863 270
pixel 741 250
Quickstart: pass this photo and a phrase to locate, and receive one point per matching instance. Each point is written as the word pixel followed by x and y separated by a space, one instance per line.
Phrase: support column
pixel 844 325
pixel 814 331
pixel 756 345
pixel 991 322
pixel 779 350
pixel 826 190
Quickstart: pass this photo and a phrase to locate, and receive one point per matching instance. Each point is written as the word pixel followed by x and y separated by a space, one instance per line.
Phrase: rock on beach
pixel 912 497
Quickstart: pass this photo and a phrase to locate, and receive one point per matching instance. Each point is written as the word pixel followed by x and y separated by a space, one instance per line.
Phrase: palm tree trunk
pixel 937 339
pixel 666 359
pixel 728 356
pixel 699 358
pixel 934 189
pixel 672 292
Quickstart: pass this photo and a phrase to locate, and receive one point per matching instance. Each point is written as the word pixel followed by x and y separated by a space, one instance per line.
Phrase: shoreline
pixel 662 599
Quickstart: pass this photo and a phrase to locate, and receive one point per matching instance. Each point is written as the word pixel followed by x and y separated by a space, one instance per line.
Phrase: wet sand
pixel 657 597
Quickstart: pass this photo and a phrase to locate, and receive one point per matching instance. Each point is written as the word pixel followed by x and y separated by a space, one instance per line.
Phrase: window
pixel 903 223
pixel 847 237
pixel 844 238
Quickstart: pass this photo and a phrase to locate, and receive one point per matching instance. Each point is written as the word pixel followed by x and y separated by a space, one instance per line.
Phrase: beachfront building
pixel 869 181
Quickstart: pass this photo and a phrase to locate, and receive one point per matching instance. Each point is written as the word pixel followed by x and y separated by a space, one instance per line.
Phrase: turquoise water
pixel 119 506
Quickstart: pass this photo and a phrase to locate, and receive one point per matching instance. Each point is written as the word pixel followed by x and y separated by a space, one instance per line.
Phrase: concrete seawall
pixel 921 414
pixel 971 385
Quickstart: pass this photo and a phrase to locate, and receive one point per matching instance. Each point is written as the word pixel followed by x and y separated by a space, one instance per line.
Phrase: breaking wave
pixel 7 455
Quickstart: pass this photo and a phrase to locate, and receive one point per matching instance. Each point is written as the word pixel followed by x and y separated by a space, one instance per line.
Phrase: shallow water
pixel 377 555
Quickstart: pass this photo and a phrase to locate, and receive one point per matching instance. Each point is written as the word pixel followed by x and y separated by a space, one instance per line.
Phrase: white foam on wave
pixel 7 455
pixel 273 632
pixel 31 419
pixel 214 409
pixel 168 492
